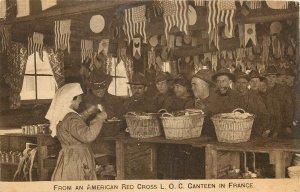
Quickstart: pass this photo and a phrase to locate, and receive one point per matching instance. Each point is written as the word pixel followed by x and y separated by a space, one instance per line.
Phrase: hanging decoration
pixel 103 46
pixel 192 15
pixel 241 2
pixel 175 14
pixel 46 4
pixel 254 4
pixel 35 44
pixel 220 11
pixel 277 4
pixel 86 49
pixel 97 23
pixel 2 9
pixel 135 22
pixel 5 37
pixel 157 8
pixel 171 41
pixel 136 47
pixel 250 34
pixel 62 30
pixel 275 28
pixel 200 3
pixel 242 35
pixel 214 61
pixel 153 41
pixel 23 8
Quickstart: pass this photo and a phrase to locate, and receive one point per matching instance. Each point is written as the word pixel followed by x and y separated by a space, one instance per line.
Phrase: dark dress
pixel 76 160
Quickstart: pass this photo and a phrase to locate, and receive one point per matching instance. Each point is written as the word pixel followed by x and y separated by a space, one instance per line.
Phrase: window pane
pixel 43 67
pixel 30 65
pixel 120 88
pixel 166 67
pixel 28 88
pixel 46 87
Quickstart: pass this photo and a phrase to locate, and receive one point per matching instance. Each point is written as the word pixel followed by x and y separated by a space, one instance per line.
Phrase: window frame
pixel 36 100
pixel 115 77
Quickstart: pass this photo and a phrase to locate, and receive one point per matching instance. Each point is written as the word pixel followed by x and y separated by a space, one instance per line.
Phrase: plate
pixel 192 15
pixel 97 23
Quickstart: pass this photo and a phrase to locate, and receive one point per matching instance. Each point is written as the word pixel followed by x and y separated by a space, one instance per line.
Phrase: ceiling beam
pixel 86 7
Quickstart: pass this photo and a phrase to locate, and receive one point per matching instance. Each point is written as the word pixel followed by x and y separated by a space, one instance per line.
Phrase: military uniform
pixel 142 104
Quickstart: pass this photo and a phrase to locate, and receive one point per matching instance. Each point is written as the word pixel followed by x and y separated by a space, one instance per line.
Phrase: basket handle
pixel 131 113
pixel 239 109
pixel 167 115
pixel 162 111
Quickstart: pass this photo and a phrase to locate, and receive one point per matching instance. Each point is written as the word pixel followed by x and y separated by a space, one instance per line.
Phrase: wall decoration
pixel 157 8
pixel 200 3
pixel 35 44
pixel 62 30
pixel 192 15
pixel 250 34
pixel 23 8
pixel 103 46
pixel 275 28
pixel 171 41
pixel 135 22
pixel 46 4
pixel 153 41
pixel 5 37
pixel 136 47
pixel 277 4
pixel 86 49
pixel 254 4
pixel 175 14
pixel 97 23
pixel 178 41
pixel 2 8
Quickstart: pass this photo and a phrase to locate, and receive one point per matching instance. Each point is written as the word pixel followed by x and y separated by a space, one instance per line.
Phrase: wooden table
pixel 279 150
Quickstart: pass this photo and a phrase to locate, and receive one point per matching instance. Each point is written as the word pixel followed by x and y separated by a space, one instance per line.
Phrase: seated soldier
pixel 138 102
pixel 183 98
pixel 163 99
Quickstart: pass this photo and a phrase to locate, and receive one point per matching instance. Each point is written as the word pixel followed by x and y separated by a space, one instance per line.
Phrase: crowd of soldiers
pixel 268 96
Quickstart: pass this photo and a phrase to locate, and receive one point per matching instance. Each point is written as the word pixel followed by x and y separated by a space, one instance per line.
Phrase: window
pixel 39 82
pixel 119 84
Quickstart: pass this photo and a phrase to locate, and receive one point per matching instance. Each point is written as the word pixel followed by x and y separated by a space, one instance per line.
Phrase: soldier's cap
pixel 163 76
pixel 254 74
pixel 271 70
pixel 223 71
pixel 205 75
pixel 138 79
pixel 242 75
pixel 181 80
pixel 99 80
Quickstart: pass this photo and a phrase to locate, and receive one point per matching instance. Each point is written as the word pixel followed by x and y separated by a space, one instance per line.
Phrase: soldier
pixel 164 86
pixel 201 85
pixel 138 102
pixel 285 100
pixel 251 102
pixel 223 99
pixel 183 98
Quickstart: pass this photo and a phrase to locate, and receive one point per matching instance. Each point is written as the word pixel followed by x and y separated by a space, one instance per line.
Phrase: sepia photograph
pixel 149 95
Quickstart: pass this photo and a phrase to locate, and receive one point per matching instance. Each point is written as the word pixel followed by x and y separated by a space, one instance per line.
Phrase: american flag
pixel 220 11
pixel 2 8
pixel 200 3
pixel 62 30
pixel 135 22
pixel 86 49
pixel 175 14
pixel 254 4
pixel 5 37
pixel 35 44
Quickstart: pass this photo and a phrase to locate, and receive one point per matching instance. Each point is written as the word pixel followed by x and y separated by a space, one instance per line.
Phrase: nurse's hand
pixel 102 115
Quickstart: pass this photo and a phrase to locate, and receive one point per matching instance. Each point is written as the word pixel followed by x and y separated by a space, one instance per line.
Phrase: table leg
pixel 120 157
pixel 210 163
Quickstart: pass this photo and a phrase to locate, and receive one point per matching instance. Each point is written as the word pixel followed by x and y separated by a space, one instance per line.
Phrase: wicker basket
pixel 143 126
pixel 233 130
pixel 182 127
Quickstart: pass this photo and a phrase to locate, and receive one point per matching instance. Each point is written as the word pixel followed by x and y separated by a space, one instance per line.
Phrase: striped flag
pixel 86 49
pixel 35 44
pixel 135 22
pixel 254 4
pixel 175 14
pixel 62 30
pixel 200 3
pixel 5 37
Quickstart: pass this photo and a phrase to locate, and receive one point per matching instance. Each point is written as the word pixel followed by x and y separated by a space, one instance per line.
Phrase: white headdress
pixel 60 105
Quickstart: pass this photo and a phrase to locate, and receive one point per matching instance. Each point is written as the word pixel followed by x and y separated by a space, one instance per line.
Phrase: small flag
pixel 46 4
pixel 175 14
pixel 250 33
pixel 86 49
pixel 62 30
pixel 2 8
pixel 200 3
pixel 135 22
pixel 35 44
pixel 5 37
